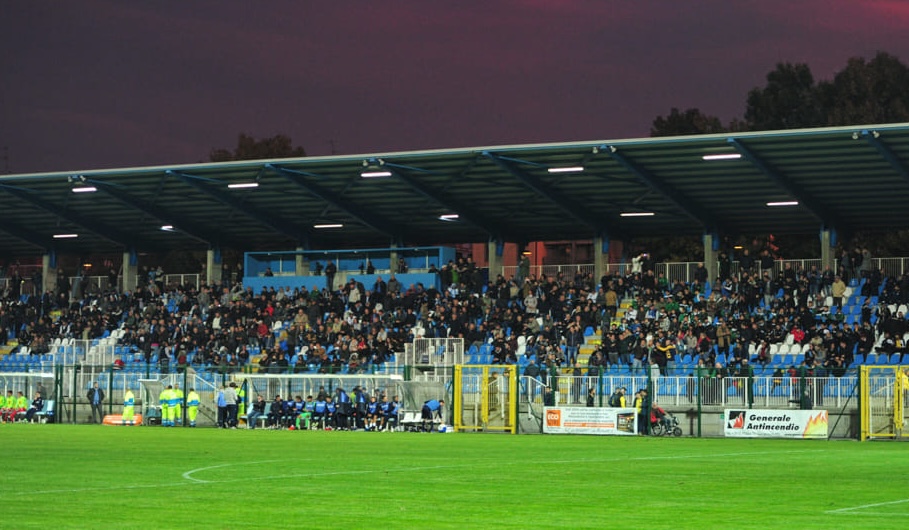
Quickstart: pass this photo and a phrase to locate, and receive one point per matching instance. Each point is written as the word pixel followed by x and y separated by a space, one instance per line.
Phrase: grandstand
pixel 209 327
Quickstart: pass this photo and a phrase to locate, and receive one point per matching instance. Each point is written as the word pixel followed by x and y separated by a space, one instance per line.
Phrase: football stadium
pixel 446 379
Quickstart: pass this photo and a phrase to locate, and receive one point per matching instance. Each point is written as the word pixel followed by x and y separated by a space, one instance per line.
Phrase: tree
pixel 692 121
pixel 789 101
pixel 248 148
pixel 870 92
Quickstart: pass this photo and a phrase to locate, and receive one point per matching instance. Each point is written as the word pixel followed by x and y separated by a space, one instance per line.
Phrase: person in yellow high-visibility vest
pixel 241 401
pixel 164 402
pixel 178 411
pixel 129 403
pixel 8 407
pixel 172 405
pixel 904 376
pixel 3 408
pixel 21 405
pixel 192 406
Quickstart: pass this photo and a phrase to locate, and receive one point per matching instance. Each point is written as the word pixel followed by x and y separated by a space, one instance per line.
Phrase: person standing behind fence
pixel 222 408
pixel 96 398
pixel 230 400
pixel 192 406
pixel 642 408
pixel 532 375
pixel 129 407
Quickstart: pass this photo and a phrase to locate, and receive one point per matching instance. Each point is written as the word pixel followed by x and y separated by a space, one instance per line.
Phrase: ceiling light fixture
pixel 783 203
pixel 329 225
pixel 449 217
pixel 636 214
pixel 375 174
pixel 167 228
pixel 241 185
pixel 65 236
pixel 85 189
pixel 571 169
pixel 725 156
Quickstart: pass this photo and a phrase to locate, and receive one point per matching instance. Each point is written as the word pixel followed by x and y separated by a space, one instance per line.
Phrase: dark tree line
pixel 864 92
pixel 248 148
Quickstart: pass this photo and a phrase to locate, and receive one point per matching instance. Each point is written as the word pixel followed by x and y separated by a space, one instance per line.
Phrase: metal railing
pixel 759 392
pixel 684 271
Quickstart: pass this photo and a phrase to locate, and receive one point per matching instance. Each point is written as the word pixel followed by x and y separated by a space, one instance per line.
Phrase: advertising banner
pixel 775 423
pixel 589 420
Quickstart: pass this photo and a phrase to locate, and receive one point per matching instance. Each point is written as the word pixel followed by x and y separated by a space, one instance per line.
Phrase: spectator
pixel 96 398
pixel 37 406
pixel 258 410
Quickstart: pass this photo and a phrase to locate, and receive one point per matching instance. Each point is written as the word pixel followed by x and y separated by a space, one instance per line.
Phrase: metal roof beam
pixel 492 227
pixel 551 194
pixel 677 198
pixel 874 138
pixel 356 211
pixel 112 235
pixel 182 224
pixel 797 192
pixel 275 223
pixel 25 234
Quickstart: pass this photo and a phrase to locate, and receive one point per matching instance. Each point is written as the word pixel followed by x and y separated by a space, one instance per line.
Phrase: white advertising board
pixel 589 420
pixel 741 423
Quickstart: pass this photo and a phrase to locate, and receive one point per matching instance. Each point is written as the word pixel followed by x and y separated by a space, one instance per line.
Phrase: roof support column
pixel 711 245
pixel 393 259
pixel 828 242
pixel 213 264
pixel 130 274
pixel 600 256
pixel 48 273
pixel 494 250
pixel 302 264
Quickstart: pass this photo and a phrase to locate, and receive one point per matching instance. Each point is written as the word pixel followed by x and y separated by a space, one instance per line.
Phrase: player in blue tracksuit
pixel 331 408
pixel 372 414
pixel 344 408
pixel 360 397
pixel 318 413
pixel 431 409
pixel 391 413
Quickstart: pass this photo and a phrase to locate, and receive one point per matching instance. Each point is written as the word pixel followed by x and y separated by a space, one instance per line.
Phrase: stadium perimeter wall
pixel 843 424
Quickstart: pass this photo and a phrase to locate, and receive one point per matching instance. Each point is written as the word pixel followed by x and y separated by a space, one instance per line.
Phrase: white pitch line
pixel 193 480
pixel 862 507
pixel 491 463
pixel 188 474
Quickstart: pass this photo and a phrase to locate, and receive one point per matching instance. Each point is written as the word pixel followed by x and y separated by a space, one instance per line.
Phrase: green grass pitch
pixel 63 476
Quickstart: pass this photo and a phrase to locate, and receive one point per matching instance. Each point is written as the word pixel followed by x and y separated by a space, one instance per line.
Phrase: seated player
pixel 37 406
pixel 6 407
pixel 296 410
pixel 331 409
pixel 275 411
pixel 304 419
pixel 372 414
pixel 18 410
pixel 318 412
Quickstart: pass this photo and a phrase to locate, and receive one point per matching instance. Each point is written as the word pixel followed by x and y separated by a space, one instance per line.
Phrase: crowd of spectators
pixel 355 327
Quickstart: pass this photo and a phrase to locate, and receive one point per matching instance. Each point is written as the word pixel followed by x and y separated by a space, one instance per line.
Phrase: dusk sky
pixel 98 84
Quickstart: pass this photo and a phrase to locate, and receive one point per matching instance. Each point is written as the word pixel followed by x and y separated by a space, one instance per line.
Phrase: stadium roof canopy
pixel 845 178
